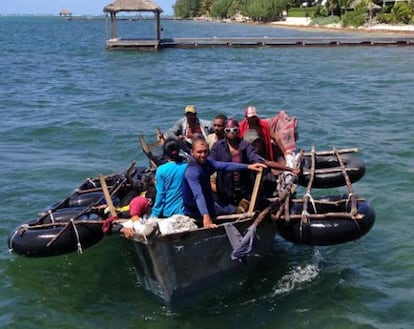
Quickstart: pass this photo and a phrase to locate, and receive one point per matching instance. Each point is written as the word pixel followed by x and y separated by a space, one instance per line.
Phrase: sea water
pixel 70 109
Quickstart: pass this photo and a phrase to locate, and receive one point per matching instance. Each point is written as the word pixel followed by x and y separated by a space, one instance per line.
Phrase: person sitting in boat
pixel 270 179
pixel 218 130
pixel 187 128
pixel 197 195
pixel 252 122
pixel 168 182
pixel 232 187
pixel 139 207
pixel 258 143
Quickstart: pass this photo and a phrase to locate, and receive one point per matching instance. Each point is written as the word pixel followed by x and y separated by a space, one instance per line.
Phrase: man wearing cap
pixel 260 126
pixel 187 128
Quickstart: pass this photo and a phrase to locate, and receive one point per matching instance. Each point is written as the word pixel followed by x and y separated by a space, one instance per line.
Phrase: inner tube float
pixel 355 168
pixel 89 198
pixel 32 238
pixel 327 231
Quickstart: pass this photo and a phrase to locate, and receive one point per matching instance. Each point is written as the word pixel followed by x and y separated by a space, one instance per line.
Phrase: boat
pixel 176 266
pixel 75 223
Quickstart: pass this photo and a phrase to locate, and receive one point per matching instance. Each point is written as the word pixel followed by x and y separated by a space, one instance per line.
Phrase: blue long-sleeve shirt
pixel 168 183
pixel 197 195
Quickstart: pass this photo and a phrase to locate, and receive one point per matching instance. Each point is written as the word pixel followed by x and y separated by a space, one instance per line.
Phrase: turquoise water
pixel 70 110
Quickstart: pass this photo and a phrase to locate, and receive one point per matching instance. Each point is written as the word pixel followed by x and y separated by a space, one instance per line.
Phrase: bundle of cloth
pixel 173 224
pixel 285 128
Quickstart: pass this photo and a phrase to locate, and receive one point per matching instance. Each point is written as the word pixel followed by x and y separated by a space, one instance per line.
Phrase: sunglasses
pixel 217 125
pixel 233 130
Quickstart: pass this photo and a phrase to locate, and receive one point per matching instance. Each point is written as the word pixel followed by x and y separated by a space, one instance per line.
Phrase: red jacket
pixel 264 133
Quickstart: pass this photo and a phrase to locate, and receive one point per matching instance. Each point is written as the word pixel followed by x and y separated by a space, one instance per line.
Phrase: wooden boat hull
pixel 177 266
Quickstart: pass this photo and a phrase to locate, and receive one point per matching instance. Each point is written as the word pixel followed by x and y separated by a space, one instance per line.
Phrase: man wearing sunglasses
pixel 197 195
pixel 234 186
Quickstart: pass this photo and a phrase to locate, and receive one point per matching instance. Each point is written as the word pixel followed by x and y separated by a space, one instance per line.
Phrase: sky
pixel 77 7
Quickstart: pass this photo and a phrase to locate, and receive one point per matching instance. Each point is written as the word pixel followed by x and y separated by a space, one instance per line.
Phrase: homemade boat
pixel 176 266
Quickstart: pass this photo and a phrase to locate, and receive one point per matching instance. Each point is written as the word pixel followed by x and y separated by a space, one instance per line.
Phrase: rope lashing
pixel 79 246
pixel 52 219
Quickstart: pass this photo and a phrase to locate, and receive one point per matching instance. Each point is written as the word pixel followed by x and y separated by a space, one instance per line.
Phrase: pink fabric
pixel 138 206
pixel 285 127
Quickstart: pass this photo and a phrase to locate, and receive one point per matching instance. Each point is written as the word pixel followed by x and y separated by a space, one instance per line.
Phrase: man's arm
pixel 192 177
pixel 176 129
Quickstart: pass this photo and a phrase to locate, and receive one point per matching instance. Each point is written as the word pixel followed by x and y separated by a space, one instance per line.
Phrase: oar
pixel 252 205
pixel 108 198
pixel 255 192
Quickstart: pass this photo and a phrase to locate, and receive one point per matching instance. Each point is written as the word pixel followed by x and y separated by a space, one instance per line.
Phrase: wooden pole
pixel 107 195
pixel 255 191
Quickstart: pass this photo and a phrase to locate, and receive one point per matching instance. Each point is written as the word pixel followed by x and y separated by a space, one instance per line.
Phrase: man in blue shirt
pixel 168 182
pixel 198 199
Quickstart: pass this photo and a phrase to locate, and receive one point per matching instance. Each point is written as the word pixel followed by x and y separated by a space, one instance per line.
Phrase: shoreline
pixel 303 23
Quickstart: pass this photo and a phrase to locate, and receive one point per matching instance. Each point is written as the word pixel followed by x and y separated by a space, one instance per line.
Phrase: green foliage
pixel 186 8
pixel 221 8
pixel 320 11
pixel 401 13
pixel 384 18
pixel 300 12
pixel 267 10
pixel 321 21
pixel 354 18
pixel 259 10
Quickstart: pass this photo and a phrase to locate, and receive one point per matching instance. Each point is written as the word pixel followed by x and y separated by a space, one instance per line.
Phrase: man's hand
pixel 207 222
pixel 127 232
pixel 256 166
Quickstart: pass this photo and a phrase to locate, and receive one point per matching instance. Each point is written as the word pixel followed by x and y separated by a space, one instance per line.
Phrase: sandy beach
pixel 304 23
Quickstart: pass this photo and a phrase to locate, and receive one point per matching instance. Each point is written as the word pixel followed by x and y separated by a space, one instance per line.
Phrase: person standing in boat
pixel 169 181
pixel 218 128
pixel 197 195
pixel 252 121
pixel 218 134
pixel 232 187
pixel 187 128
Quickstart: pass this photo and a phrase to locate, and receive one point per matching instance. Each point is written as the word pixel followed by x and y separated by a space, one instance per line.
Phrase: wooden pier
pixel 192 43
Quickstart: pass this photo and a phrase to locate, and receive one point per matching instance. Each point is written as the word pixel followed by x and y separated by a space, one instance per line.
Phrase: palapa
pixel 132 5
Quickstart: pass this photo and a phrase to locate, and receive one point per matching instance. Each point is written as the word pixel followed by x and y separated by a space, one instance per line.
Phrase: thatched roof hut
pixel 65 13
pixel 134 6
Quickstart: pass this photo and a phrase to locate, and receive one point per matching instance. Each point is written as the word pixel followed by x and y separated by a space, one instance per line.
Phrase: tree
pixel 186 8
